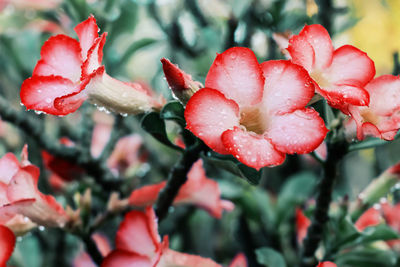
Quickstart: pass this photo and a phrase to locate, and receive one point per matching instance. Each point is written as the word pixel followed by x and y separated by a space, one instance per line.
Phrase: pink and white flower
pixel 19 194
pixel 138 244
pixel 340 75
pixel 382 117
pixel 198 190
pixel 256 112
pixel 70 72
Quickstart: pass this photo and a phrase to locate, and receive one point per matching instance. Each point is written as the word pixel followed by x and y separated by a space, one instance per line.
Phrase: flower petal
pixel 146 195
pixel 253 150
pixel 138 233
pixel 384 93
pixel 9 166
pixel 94 57
pixel 299 132
pixel 122 258
pixel 45 210
pixel 350 66
pixel 172 258
pixel 237 74
pixel 208 114
pixel 239 261
pixel 7 243
pixel 87 32
pixel 39 93
pixel 60 56
pixel 326 264
pixel 317 38
pixel 287 86
pixel 371 217
pixel 302 224
pixel 341 94
pixel 201 191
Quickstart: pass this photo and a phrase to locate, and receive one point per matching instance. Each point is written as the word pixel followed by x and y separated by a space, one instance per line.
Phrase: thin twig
pixel 336 152
pixel 176 178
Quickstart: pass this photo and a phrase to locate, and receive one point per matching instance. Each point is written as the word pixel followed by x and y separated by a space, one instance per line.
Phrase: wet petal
pixel 87 32
pixel 384 94
pixel 287 86
pixel 208 114
pixel 94 57
pixel 312 48
pixel 60 56
pixel 299 132
pixel 253 150
pixel 351 66
pixel 39 92
pixel 237 74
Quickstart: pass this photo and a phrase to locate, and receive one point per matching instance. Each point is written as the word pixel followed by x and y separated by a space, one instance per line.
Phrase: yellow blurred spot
pixel 378 31
pixel 367 154
pixel 312 8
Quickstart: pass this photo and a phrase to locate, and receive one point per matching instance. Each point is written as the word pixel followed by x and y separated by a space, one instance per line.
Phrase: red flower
pixel 138 244
pixel 7 243
pixel 371 217
pixel 381 118
pixel 339 75
pixel 255 112
pixel 326 264
pixel 239 261
pixel 198 190
pixel 84 260
pixel 302 224
pixel 181 84
pixel 69 72
pixel 19 194
pixel 65 169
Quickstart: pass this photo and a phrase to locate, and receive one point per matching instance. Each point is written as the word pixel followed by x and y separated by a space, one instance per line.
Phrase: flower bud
pixel 181 84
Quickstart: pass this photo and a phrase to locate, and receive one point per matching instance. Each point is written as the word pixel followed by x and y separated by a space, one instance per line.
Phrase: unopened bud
pixel 181 84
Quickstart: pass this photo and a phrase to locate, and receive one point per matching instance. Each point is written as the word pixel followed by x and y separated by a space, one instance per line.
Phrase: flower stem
pixel 336 152
pixel 176 178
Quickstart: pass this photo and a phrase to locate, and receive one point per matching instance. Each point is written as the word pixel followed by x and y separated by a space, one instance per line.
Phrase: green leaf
pixel 369 143
pixel 232 165
pixel 297 189
pixel 154 125
pixel 269 257
pixel 381 232
pixel 174 111
pixel 367 257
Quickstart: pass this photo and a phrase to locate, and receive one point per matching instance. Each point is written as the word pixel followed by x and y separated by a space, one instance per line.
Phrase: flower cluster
pixel 260 112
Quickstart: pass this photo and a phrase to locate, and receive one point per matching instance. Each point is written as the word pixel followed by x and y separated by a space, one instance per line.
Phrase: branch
pixel 336 152
pixel 31 126
pixel 176 178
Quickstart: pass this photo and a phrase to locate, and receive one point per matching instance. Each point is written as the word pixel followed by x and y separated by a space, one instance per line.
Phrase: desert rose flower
pixel 138 244
pixel 256 112
pixel 340 75
pixel 302 224
pixel 371 217
pixel 70 72
pixel 84 260
pixel 239 261
pixel 382 117
pixel 19 194
pixel 181 84
pixel 198 190
pixel 326 264
pixel 7 243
